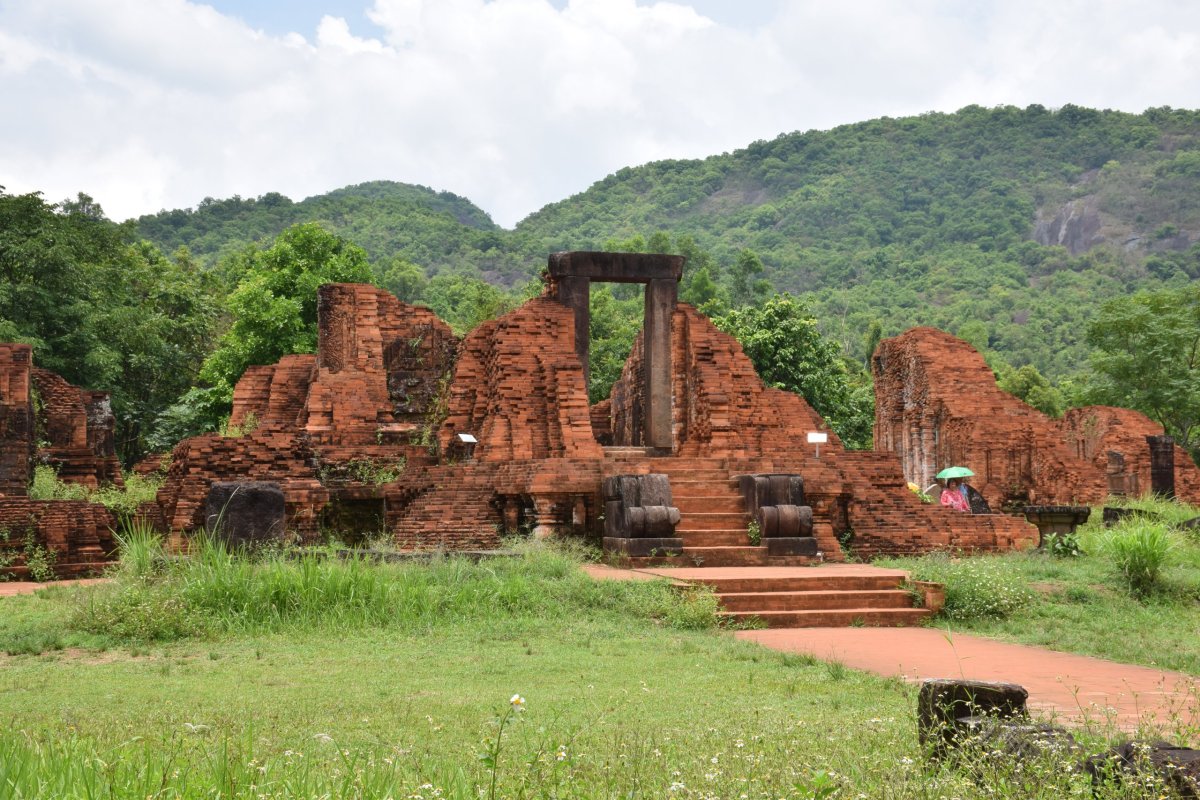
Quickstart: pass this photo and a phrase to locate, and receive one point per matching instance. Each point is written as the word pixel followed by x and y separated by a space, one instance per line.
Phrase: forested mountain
pixel 1004 225
pixel 1029 232
pixel 437 230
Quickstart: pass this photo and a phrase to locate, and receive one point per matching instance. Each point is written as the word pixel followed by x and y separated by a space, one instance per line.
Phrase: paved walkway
pixel 1070 688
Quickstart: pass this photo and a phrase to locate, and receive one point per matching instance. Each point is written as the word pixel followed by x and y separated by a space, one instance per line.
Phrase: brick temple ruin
pixel 937 405
pixel 397 428
pixel 494 434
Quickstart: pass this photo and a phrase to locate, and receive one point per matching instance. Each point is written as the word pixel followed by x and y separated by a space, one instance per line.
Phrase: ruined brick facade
pixel 388 385
pixel 45 420
pixel 937 405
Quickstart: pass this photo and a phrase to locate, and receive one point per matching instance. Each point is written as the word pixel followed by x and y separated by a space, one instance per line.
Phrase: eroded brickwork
pixel 937 404
pixel 333 427
pixel 722 410
pixel 79 428
pixel 77 534
pixel 519 388
pixel 17 438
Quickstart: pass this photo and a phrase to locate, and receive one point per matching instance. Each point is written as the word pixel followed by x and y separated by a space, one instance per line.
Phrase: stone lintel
pixel 616 267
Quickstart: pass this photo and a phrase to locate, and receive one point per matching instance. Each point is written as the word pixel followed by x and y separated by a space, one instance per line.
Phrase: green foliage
pixel 614 324
pixel 122 501
pixel 274 307
pixel 1140 551
pixel 1062 545
pixel 780 336
pixel 101 309
pixel 1029 385
pixel 975 587
pixel 1147 356
pixel 46 486
pixel 214 590
pixel 464 302
pixel 754 534
pixel 39 559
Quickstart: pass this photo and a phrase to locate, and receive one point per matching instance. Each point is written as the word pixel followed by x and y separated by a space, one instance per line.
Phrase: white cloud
pixel 516 103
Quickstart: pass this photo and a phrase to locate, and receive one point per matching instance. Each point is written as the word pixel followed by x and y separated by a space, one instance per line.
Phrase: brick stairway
pixel 750 583
pixel 833 595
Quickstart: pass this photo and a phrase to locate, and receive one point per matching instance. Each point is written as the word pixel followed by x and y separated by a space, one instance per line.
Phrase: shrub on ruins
pixel 781 338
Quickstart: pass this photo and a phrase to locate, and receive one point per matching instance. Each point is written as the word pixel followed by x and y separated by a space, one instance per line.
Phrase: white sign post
pixel 818 438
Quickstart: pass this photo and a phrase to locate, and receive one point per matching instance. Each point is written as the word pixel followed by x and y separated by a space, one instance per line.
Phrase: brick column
pixel 1162 465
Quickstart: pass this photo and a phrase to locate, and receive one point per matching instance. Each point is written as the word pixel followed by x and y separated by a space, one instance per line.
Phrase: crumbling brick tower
pixel 937 405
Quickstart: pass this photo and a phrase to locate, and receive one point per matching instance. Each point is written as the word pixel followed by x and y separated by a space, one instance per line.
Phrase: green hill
pixel 1007 226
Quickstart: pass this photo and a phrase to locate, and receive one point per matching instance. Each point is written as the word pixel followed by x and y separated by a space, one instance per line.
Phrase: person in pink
pixel 952 496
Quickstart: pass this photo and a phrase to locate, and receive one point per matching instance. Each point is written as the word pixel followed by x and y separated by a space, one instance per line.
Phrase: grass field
pixel 1083 604
pixel 317 678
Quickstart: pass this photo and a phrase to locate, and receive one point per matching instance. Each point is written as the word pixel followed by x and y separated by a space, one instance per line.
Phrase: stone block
pixel 791 546
pixel 941 702
pixel 246 513
pixel 1178 767
pixel 644 548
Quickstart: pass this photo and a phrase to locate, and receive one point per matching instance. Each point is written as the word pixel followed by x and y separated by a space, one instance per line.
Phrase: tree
pixel 746 283
pixel 463 302
pixel 404 279
pixel 1029 385
pixel 101 309
pixel 274 307
pixel 1147 357
pixel 781 338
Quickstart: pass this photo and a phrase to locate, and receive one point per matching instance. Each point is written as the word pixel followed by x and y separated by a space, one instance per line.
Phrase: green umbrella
pixel 955 472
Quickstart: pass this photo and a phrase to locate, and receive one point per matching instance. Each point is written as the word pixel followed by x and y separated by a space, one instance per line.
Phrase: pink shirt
pixel 953 498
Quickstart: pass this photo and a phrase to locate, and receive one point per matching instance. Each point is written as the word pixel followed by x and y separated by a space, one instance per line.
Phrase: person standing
pixel 952 496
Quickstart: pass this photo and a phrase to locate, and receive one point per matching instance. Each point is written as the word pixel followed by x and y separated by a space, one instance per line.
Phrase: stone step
pixel 834 618
pixel 726 556
pixel 815 600
pixel 714 475
pixel 713 521
pixel 690 488
pixel 816 582
pixel 729 537
pixel 709 504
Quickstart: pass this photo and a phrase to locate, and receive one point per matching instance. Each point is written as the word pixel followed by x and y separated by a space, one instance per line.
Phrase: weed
pixel 974 587
pixel 249 425
pixel 38 559
pixel 754 534
pixel 1140 551
pixel 1062 545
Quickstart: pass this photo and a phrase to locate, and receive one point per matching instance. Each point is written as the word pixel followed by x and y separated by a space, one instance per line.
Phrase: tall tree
pixel 781 338
pixel 1147 357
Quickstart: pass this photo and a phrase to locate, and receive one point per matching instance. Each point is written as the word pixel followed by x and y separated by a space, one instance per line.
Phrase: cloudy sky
pixel 151 104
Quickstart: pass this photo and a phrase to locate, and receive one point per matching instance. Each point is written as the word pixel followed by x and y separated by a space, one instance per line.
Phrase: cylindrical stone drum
pixel 768 521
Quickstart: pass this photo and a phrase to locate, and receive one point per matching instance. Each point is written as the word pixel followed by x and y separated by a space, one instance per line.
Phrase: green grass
pixel 629 692
pixel 1088 604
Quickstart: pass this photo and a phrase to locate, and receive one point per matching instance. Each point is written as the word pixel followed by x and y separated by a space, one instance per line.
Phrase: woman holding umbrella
pixel 953 497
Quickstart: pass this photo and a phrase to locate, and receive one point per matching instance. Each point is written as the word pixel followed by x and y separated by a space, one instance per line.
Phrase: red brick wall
pixel 937 404
pixel 518 388
pixel 16 419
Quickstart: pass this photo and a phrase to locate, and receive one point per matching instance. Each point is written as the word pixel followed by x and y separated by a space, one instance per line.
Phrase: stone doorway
pixel 571 276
